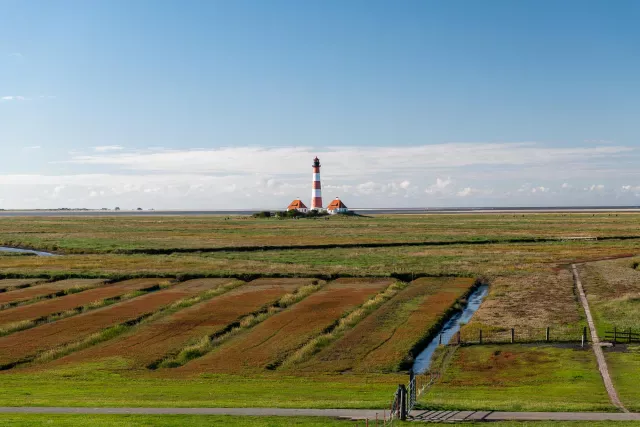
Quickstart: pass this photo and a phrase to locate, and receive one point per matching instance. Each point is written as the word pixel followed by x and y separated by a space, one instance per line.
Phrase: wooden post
pixel 480 337
pixel 403 402
pixel 513 335
pixel 548 337
pixel 629 336
pixel 615 335
pixel 458 334
pixel 584 335
pixel 440 340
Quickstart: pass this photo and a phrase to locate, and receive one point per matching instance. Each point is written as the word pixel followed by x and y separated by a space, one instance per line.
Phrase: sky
pixel 201 104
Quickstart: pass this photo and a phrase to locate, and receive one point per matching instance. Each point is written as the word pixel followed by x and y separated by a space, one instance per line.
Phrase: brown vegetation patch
pixel 169 335
pixel 538 300
pixel 30 342
pixel 46 289
pixel 383 340
pixel 270 342
pixel 70 302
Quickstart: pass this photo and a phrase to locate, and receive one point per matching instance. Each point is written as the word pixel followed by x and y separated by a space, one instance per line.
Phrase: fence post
pixel 403 402
pixel 615 335
pixel 440 340
pixel 513 335
pixel 584 335
pixel 480 337
pixel 629 335
pixel 548 334
pixel 458 334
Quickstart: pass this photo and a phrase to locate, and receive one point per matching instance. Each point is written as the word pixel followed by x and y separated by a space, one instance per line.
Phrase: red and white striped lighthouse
pixel 316 192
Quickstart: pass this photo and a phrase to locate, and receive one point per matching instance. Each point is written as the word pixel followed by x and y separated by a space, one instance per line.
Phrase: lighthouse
pixel 316 189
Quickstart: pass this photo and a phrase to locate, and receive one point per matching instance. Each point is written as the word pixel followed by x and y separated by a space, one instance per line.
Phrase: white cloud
pixel 32 148
pixel 16 55
pixel 107 148
pixel 540 189
pixel 347 160
pixel 441 186
pixel 253 177
pixel 467 191
pixel 14 98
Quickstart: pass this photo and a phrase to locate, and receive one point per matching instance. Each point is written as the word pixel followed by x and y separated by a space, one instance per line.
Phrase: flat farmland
pixel 100 234
pixel 46 289
pixel 261 359
pixel 29 343
pixel 272 341
pixel 167 336
pixel 383 340
pixel 73 301
pixel 462 260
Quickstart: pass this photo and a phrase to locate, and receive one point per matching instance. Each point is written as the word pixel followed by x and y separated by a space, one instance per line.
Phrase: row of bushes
pixel 290 214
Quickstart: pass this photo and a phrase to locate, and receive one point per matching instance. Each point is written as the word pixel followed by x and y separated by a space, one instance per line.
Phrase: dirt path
pixel 597 348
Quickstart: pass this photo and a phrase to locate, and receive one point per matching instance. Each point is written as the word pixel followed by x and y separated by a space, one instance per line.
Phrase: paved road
pixel 359 414
pixel 597 349
pixel 452 416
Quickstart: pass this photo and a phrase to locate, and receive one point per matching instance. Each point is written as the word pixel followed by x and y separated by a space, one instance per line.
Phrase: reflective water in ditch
pixel 450 329
pixel 27 251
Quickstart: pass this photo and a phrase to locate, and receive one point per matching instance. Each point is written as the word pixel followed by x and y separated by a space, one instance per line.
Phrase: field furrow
pixel 69 302
pixel 29 343
pixel 270 342
pixel 167 336
pixel 45 289
pixel 384 340
pixel 7 285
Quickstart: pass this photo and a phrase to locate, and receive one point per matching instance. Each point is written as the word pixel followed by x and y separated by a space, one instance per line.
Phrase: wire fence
pixel 561 334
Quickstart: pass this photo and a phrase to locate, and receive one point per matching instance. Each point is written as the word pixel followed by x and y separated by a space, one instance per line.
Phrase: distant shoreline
pixel 368 211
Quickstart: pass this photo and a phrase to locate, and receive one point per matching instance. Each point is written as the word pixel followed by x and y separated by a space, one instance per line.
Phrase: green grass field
pixel 108 234
pixel 531 289
pixel 520 378
pixel 12 420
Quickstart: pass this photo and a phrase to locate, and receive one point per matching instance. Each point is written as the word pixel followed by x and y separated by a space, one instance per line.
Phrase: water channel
pixel 25 251
pixel 450 328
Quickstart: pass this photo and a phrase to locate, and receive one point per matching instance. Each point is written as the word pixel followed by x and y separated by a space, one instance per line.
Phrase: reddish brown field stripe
pixel 384 339
pixel 69 302
pixel 29 343
pixel 154 341
pixel 10 284
pixel 45 289
pixel 274 339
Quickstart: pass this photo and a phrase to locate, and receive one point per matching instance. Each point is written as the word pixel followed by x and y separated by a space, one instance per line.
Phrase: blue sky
pixel 223 104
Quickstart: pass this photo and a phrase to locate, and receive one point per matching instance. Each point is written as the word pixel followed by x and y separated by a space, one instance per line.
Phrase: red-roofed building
pixel 297 205
pixel 337 206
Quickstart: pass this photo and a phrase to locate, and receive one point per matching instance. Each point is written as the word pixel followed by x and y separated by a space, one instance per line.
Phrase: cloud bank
pixel 455 174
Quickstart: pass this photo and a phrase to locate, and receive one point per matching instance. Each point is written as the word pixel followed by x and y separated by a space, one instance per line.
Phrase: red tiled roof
pixel 336 204
pixel 296 204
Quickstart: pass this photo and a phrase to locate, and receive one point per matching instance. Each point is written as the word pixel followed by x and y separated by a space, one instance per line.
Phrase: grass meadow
pixel 524 257
pixel 124 233
pixel 210 420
